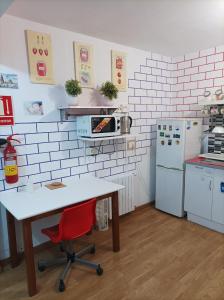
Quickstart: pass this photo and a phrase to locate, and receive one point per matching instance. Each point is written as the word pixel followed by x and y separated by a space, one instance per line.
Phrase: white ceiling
pixel 170 27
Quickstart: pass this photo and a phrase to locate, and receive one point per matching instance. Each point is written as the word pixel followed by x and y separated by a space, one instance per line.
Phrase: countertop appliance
pixel 126 123
pixel 98 126
pixel 177 141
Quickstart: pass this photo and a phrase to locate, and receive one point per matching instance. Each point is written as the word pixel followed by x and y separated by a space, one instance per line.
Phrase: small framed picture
pixel 34 108
pixel 8 81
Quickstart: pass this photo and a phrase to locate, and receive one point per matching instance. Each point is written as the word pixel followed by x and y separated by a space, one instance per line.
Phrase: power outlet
pixel 91 151
pixel 131 145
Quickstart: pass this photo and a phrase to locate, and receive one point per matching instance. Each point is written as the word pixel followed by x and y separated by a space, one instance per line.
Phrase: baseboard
pixel 143 206
pixel 206 223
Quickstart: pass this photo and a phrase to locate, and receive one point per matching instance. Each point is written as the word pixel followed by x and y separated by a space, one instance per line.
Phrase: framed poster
pixel 6 111
pixel 8 81
pixel 33 108
pixel 39 53
pixel 84 64
pixel 119 73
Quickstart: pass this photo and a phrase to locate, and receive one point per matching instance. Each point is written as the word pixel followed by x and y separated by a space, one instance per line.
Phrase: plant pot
pixel 106 101
pixel 72 100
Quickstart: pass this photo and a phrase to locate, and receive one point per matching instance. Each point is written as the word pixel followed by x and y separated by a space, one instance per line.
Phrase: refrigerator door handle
pixel 176 169
pixel 210 185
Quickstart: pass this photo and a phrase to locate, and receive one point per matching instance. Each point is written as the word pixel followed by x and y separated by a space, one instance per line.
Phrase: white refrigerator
pixel 177 141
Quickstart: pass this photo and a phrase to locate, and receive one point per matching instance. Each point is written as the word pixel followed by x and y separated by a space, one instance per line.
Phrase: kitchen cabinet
pixel 218 200
pixel 198 193
pixel 204 199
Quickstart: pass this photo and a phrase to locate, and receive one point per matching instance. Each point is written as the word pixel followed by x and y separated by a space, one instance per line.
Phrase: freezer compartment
pixel 169 190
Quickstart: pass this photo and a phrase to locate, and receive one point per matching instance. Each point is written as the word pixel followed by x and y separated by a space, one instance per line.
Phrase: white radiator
pixel 126 196
pixel 126 200
pixel 102 214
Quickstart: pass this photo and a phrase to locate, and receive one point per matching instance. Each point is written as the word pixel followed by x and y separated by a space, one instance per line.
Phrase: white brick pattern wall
pixel 162 87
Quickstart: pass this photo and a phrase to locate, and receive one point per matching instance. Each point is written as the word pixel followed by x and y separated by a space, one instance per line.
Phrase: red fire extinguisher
pixel 10 161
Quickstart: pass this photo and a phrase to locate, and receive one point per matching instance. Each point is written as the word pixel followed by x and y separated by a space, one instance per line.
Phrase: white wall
pixel 157 89
pixel 13 59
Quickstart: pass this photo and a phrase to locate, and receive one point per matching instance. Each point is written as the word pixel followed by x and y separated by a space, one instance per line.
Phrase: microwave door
pixel 101 125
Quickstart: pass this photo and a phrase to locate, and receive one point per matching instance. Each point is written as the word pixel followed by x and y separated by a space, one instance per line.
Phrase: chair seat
pixel 52 232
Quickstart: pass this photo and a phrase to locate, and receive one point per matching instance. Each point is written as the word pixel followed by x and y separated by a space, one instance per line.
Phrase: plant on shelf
pixel 73 87
pixel 109 90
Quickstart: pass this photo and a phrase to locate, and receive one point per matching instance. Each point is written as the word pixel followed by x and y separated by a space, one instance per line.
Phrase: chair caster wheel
pixel 61 286
pixel 99 270
pixel 41 268
pixel 93 250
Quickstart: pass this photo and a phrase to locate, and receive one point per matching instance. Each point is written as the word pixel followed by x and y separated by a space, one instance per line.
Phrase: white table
pixel 30 206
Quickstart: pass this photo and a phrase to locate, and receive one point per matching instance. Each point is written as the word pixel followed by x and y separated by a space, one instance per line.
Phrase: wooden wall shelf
pixel 72 110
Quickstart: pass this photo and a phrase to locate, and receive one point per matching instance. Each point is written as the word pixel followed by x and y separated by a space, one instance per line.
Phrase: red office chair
pixel 76 221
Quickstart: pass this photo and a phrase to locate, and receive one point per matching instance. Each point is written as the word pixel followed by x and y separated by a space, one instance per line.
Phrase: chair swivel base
pixel 69 259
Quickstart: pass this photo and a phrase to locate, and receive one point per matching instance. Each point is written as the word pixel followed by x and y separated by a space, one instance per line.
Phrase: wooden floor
pixel 161 257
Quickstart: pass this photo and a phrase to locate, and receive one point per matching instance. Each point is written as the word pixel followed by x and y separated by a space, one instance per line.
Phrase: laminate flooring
pixel 161 258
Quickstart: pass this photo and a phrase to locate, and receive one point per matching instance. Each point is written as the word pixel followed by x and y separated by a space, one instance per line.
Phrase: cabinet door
pixel 218 201
pixel 198 193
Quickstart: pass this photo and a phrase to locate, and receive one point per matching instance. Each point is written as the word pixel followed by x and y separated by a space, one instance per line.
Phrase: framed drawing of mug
pixel 84 64
pixel 119 70
pixel 39 52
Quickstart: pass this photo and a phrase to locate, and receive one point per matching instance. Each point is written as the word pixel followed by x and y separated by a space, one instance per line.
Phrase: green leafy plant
pixel 73 87
pixel 109 90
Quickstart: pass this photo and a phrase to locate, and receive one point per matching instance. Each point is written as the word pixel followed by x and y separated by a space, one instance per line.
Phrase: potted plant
pixel 109 90
pixel 73 87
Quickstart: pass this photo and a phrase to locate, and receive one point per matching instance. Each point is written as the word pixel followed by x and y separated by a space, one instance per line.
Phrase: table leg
pixel 14 257
pixel 29 257
pixel 115 222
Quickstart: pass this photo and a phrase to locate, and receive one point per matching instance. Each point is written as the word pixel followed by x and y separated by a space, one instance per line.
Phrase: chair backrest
pixel 77 220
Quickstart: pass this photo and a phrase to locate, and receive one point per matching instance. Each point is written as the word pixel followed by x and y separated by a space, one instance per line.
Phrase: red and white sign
pixel 6 111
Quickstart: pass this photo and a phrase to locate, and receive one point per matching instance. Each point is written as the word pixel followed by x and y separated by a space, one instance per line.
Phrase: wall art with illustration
pixel 119 70
pixel 39 52
pixel 84 64
pixel 34 108
pixel 8 81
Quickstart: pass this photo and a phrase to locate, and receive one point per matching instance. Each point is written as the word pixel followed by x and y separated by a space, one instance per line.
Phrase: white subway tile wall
pixel 162 87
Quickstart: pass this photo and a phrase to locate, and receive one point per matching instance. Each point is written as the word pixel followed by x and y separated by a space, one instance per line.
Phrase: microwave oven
pixel 98 126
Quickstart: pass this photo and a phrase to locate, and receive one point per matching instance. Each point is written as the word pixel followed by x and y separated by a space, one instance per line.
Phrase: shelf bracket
pixel 64 114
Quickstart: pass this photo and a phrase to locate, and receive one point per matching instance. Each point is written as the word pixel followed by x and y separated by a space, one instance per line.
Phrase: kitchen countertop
pixel 205 162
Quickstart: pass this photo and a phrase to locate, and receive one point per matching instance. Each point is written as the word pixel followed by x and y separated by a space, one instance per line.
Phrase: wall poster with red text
pixel 6 111
pixel 40 60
